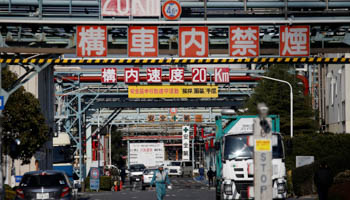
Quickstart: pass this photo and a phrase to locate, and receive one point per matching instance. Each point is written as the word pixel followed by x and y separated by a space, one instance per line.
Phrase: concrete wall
pixel 347 98
pixel 47 102
pixel 32 85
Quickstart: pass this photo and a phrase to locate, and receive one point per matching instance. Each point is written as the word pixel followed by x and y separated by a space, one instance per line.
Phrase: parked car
pixel 147 177
pixel 180 168
pixel 136 172
pixel 50 184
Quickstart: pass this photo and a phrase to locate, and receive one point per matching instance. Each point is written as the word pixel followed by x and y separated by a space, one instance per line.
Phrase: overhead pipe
pixel 154 137
pixel 249 4
pixel 184 21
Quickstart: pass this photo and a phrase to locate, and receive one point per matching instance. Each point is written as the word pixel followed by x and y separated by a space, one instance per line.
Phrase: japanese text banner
pixel 170 91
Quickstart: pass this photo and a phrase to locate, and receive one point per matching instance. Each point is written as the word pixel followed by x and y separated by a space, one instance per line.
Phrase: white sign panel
pixel 304 160
pixel 140 8
pixel 185 143
pixel 149 154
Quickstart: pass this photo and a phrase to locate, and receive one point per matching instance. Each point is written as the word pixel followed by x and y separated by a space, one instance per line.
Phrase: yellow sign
pixel 173 91
pixel 262 145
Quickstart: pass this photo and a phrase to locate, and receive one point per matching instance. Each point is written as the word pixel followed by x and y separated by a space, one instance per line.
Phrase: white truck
pixel 234 158
pixel 63 154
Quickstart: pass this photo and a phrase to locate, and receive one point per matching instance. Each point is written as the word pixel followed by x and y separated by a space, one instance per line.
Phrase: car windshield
pixel 149 171
pixel 136 168
pixel 175 164
pixel 43 180
pixel 236 146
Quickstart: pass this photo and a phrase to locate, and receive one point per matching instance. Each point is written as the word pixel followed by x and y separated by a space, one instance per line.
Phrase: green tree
pixel 276 96
pixel 23 120
pixel 118 148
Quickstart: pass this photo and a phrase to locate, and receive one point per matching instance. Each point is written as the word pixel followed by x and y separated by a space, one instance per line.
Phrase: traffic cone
pixel 115 186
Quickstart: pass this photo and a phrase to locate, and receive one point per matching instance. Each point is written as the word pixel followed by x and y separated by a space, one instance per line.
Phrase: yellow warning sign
pixel 173 91
pixel 262 145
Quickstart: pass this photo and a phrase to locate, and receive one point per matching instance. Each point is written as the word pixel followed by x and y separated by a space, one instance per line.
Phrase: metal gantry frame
pixel 49 27
pixel 78 103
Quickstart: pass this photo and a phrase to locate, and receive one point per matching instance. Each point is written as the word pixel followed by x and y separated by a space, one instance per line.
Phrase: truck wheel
pixel 218 197
pixel 143 187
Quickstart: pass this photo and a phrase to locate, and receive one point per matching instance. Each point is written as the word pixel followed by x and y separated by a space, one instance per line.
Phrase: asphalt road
pixel 183 188
pixel 183 194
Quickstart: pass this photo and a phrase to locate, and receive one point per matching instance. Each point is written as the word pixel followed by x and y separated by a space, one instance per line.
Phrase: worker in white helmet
pixel 161 179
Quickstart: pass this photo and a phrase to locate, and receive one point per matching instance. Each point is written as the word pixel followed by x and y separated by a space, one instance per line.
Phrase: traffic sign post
pixel 94 178
pixel 262 157
pixel 171 10
pixel 2 103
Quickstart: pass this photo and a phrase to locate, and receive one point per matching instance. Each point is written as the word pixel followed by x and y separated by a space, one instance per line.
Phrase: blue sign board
pixel 18 179
pixel 94 178
pixel 2 103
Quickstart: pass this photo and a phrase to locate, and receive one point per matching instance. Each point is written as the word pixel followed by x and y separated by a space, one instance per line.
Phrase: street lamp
pixel 291 97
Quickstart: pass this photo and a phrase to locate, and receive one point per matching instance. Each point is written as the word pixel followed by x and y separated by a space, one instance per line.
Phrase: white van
pixel 180 168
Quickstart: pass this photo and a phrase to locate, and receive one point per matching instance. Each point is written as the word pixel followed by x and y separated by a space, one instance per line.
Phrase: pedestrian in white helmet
pixel 161 179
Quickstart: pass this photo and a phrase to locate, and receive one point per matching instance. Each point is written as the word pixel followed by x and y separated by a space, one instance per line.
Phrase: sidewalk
pixel 202 180
pixel 307 197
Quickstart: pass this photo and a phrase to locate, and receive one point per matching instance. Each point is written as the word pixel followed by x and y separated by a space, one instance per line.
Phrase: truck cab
pixel 235 162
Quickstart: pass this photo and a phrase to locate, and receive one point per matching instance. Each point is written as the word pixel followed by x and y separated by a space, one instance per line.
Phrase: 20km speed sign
pixel 171 10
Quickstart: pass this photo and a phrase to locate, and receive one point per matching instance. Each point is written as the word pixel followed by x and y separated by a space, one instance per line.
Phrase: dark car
pixel 51 184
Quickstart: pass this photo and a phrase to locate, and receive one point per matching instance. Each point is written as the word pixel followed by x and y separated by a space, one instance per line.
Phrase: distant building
pixel 335 97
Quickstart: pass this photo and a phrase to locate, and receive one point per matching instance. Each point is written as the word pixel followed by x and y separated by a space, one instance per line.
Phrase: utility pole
pixel 2 191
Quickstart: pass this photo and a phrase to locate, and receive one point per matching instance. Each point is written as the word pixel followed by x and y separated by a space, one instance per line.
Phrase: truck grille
pixel 238 169
pixel 242 188
pixel 173 171
pixel 240 175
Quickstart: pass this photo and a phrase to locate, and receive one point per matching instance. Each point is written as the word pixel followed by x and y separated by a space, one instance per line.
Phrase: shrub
pixel 318 145
pixel 9 193
pixel 339 191
pixel 105 183
pixel 303 176
pixel 302 179
pixel 342 177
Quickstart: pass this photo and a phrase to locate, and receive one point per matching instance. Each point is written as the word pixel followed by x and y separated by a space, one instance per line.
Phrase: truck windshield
pixel 236 146
pixel 63 154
